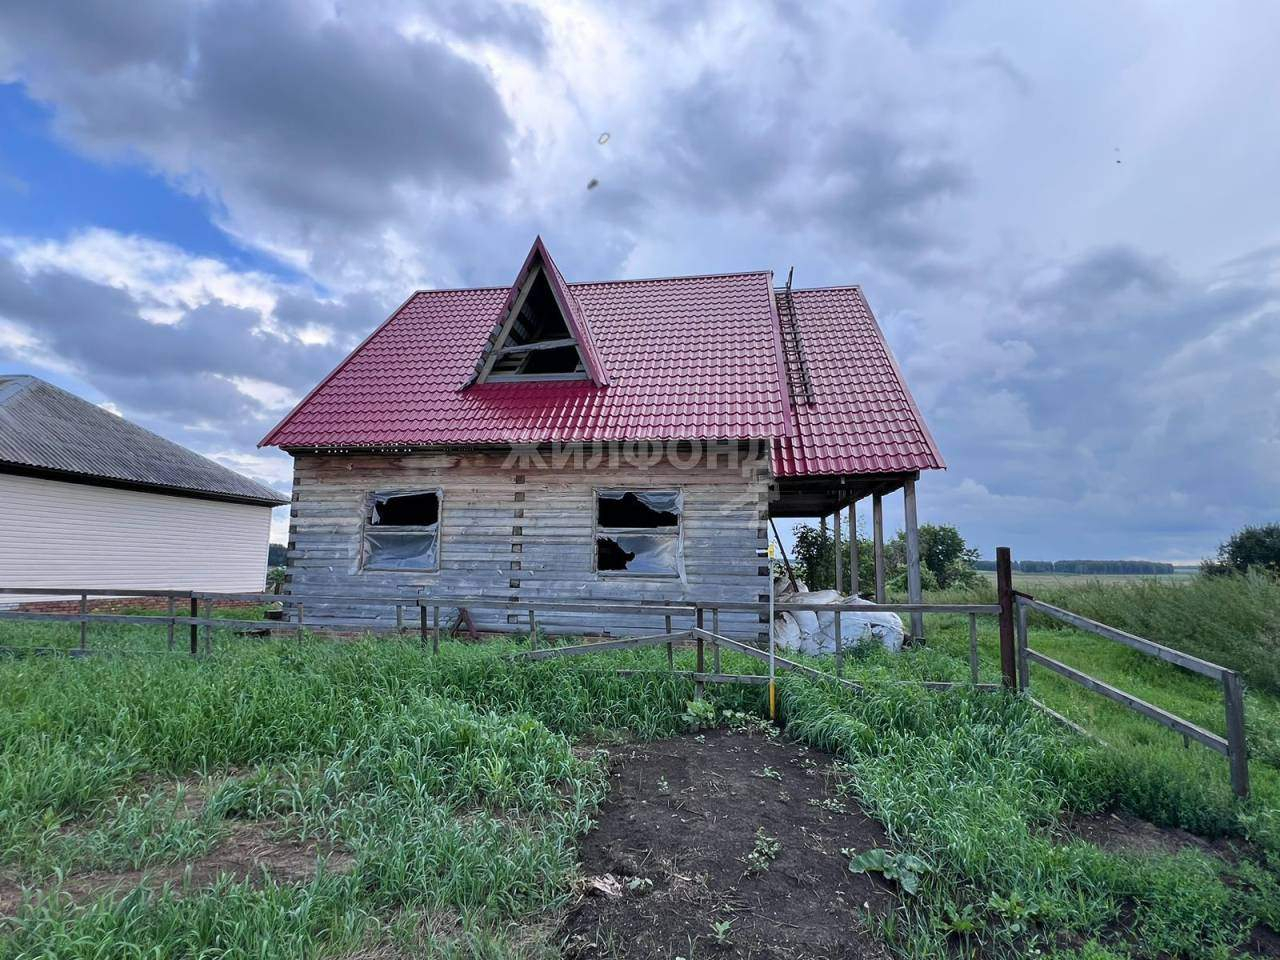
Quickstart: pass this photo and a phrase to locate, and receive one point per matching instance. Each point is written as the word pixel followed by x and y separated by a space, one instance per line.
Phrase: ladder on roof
pixel 798 382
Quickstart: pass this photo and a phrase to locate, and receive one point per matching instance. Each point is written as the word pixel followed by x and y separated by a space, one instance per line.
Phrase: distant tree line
pixel 275 554
pixel 1083 566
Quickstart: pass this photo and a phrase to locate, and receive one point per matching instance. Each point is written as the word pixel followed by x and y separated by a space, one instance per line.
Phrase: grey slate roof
pixel 45 430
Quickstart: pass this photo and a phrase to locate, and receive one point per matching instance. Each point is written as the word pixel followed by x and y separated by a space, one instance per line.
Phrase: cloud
pixel 301 121
pixel 1094 384
pixel 232 353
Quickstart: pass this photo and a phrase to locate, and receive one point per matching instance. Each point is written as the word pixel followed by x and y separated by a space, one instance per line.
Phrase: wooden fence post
pixel 195 636
pixel 1233 695
pixel 1004 596
pixel 1024 667
pixel 300 621
pixel 208 625
pixel 422 623
pixel 435 629
pixel 399 618
pixel 84 624
pixel 172 613
pixel 671 650
pixel 533 630
pixel 715 647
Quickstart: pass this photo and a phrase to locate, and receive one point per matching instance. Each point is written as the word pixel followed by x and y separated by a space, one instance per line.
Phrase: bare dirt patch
pixel 248 852
pixel 1119 832
pixel 672 855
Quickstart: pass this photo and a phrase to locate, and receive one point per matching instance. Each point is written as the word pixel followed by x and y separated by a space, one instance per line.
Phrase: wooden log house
pixel 622 440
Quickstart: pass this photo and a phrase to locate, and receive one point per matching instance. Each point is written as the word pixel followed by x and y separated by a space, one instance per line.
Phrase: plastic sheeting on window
pixel 654 555
pixel 402 549
pixel 666 501
pixel 639 509
pixel 412 509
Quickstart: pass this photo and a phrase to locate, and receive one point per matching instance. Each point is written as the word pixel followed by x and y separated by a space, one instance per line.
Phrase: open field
pixel 366 799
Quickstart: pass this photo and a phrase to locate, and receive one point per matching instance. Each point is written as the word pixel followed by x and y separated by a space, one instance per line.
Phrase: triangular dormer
pixel 541 333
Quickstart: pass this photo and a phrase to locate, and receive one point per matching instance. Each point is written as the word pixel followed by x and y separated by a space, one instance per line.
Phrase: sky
pixel 1065 216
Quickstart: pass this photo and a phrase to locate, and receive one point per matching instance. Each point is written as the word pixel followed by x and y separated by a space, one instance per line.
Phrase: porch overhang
pixel 821 495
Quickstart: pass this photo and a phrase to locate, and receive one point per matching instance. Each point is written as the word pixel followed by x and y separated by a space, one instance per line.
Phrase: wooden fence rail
pixel 1233 746
pixel 1012 611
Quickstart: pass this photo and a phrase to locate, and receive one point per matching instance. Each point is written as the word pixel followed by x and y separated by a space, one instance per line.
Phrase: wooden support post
pixel 422 626
pixel 195 612
pixel 913 556
pixel 1233 695
pixel 671 652
pixel 84 624
pixel 399 618
pixel 877 533
pixel 533 630
pixel 173 612
pixel 208 626
pixel 1024 668
pixel 839 552
pixel 715 647
pixel 300 615
pixel 853 548
pixel 435 629
pixel 973 648
pixel 699 686
pixel 1004 596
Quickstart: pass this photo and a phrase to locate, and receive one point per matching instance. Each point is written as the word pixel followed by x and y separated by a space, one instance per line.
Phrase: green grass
pixel 455 784
pixel 1233 621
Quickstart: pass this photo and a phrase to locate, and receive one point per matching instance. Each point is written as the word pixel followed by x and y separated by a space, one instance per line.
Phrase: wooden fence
pixel 1011 611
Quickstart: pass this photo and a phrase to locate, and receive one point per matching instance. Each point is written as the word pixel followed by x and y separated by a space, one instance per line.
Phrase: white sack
pixel 818 630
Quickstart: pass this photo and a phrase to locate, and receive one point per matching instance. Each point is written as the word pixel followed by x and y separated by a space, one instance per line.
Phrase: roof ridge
pixel 601 283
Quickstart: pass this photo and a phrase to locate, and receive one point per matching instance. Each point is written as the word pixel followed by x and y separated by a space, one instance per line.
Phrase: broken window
pixel 538 341
pixel 638 532
pixel 402 531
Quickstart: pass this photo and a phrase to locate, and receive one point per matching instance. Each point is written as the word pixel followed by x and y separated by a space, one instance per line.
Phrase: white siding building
pixel 89 500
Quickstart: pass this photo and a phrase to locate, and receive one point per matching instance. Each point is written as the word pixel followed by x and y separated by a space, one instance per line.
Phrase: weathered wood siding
pixel 55 534
pixel 525 529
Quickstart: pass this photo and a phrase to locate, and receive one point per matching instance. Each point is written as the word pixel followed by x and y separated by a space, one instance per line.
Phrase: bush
pixel 1253 548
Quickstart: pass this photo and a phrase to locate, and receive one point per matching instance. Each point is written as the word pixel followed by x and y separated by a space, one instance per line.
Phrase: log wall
pixel 522 527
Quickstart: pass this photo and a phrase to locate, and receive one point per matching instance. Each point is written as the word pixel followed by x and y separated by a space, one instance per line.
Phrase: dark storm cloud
pixel 180 371
pixel 803 166
pixel 1120 401
pixel 284 104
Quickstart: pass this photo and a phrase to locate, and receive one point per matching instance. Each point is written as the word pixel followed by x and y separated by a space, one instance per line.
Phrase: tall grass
pixel 1231 620
pixel 974 784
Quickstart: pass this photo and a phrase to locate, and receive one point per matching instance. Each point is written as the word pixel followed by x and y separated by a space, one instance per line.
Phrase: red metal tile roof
pixel 863 418
pixel 686 358
pixel 693 357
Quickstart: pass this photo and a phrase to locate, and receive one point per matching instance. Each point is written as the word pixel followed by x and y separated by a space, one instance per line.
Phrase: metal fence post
pixel 1004 594
pixel 973 648
pixel 172 613
pixel 84 624
pixel 300 614
pixel 422 623
pixel 699 687
pixel 1233 695
pixel 671 653
pixel 435 629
